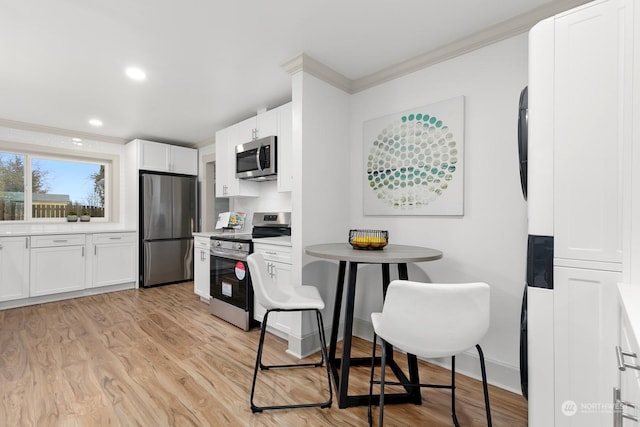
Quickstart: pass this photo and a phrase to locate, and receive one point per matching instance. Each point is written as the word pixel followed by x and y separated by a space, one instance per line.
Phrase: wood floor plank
pixel 157 357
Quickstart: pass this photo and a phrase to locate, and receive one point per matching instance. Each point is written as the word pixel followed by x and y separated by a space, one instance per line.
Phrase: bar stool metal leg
pixel 324 361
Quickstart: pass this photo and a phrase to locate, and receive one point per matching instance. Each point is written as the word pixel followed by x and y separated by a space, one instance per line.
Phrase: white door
pixel 14 268
pixel 591 94
pixel 585 335
pixel 57 269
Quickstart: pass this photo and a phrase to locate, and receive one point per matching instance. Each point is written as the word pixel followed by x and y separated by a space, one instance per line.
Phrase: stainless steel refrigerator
pixel 167 222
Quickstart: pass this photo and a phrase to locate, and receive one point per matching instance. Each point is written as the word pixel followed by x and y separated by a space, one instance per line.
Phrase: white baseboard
pixel 63 296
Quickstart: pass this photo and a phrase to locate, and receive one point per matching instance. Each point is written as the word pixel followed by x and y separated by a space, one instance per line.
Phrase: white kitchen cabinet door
pixel 592 83
pixel 278 259
pixel 267 123
pixel 114 259
pixel 586 331
pixel 202 268
pixel 227 185
pixel 14 268
pixel 246 130
pixel 57 269
pixel 282 274
pixel 285 148
pixel 632 224
pixel 183 160
pixel 260 126
pixel 153 156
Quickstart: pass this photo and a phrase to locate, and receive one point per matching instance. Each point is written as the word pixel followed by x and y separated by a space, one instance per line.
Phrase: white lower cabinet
pixel 114 259
pixel 201 267
pixel 278 259
pixel 627 395
pixel 14 268
pixel 586 331
pixel 58 264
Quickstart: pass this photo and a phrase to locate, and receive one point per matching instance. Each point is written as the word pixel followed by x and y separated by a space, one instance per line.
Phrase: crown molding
pixel 303 62
pixel 501 31
pixel 62 132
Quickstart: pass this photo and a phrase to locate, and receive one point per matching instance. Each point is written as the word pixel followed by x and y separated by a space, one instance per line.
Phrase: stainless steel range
pixel 231 290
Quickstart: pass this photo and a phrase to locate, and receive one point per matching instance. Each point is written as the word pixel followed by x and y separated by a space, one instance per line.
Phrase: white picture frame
pixel 414 161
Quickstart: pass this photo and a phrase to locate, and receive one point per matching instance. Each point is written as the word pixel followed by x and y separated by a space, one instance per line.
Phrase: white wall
pixel 268 201
pixel 487 243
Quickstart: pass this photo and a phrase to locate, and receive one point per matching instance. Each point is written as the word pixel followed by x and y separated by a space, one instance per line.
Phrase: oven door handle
pixel 229 255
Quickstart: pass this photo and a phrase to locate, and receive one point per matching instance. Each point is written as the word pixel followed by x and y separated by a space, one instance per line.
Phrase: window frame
pixel 111 166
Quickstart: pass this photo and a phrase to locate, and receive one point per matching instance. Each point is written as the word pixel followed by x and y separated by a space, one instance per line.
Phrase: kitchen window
pixel 46 188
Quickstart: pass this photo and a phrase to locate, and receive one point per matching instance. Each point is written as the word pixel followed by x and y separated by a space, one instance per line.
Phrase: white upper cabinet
pixel 227 184
pixel 155 156
pixel 260 126
pixel 278 122
pixel 183 160
pixel 632 211
pixel 592 83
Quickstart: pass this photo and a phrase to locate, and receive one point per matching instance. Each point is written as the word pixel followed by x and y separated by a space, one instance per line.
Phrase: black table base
pixel 340 366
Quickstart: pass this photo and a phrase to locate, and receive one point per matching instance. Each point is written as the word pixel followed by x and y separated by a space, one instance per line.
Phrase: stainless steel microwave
pixel 257 160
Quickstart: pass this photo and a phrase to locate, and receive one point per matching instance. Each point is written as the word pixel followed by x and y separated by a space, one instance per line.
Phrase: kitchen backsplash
pixel 269 201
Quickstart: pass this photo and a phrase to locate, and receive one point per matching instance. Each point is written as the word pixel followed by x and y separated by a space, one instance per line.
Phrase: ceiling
pixel 209 63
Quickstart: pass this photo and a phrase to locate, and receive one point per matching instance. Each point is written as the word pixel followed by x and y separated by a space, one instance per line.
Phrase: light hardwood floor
pixel 156 357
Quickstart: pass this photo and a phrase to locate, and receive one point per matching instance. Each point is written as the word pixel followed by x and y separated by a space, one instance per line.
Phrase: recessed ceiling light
pixel 95 122
pixel 76 139
pixel 135 73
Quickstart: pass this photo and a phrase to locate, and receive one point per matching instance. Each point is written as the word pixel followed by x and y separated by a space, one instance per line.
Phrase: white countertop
pixel 79 230
pixel 629 297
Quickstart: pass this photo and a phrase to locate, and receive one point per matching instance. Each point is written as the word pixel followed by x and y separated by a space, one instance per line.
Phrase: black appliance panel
pixel 540 262
pixel 523 138
pixel 230 282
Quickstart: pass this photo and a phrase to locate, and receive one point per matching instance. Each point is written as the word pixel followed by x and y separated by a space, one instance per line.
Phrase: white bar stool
pixel 432 320
pixel 273 298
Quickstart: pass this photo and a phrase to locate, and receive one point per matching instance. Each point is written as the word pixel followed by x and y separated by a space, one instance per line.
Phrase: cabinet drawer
pixel 57 240
pixel 113 238
pixel 274 252
pixel 202 243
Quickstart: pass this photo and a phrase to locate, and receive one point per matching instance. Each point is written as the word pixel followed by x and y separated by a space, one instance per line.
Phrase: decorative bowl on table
pixel 368 239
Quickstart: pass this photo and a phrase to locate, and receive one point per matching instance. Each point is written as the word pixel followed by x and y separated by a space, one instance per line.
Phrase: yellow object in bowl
pixel 369 241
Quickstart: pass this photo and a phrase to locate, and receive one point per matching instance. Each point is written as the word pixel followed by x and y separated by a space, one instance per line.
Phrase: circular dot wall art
pixel 414 161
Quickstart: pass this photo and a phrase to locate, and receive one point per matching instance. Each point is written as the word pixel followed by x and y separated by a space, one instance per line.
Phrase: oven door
pixel 230 280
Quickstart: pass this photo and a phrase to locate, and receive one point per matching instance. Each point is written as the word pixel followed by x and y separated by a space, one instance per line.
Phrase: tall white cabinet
pixel 587 90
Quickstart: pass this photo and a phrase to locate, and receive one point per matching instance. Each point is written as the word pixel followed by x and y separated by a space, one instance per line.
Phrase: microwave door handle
pixel 258 152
